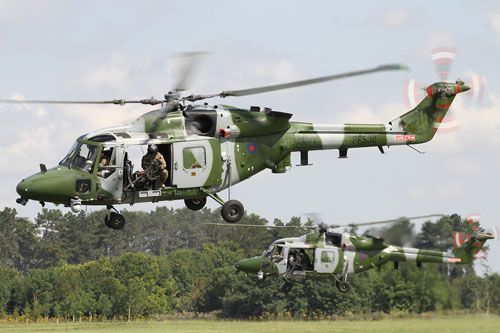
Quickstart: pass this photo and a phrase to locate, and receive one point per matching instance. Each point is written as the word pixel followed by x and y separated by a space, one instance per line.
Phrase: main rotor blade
pixel 263 226
pixel 149 101
pixel 191 61
pixel 252 91
pixel 171 105
pixel 399 219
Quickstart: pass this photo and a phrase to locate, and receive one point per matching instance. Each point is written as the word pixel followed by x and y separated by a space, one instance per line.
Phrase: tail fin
pixel 424 120
pixel 468 247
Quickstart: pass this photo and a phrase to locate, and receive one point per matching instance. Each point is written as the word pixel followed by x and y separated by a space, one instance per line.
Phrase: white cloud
pixel 27 149
pixel 447 192
pixel 88 118
pixel 396 18
pixel 494 19
pixel 465 166
pixel 12 11
pixel 111 75
pixel 41 112
pixel 362 114
pixel 273 72
pixel 437 39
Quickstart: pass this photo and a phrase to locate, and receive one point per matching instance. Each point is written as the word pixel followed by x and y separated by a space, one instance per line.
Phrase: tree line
pixel 167 261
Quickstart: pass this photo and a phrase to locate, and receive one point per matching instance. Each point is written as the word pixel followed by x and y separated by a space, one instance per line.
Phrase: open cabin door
pixel 196 163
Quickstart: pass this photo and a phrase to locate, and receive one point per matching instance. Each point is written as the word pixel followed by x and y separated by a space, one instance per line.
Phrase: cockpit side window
pixel 274 250
pixel 67 159
pixel 81 156
pixel 269 252
pixel 85 157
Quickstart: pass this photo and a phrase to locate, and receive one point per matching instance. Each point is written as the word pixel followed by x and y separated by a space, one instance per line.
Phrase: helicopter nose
pixel 53 186
pixel 251 265
pixel 23 188
pixel 30 188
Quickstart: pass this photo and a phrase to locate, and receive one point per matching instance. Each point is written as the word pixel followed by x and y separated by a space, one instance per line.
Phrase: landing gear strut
pixel 232 210
pixel 114 220
pixel 343 286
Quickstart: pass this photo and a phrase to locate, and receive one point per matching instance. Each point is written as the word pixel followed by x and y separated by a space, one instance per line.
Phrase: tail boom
pixel 416 126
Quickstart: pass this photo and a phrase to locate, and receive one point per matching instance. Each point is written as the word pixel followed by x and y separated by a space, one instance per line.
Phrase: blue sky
pixel 123 49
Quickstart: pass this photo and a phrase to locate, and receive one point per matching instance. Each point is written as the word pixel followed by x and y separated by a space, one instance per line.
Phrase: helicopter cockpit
pixel 81 156
pixel 274 250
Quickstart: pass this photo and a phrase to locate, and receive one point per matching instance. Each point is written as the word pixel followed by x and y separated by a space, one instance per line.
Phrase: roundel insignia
pixel 252 147
pixel 362 255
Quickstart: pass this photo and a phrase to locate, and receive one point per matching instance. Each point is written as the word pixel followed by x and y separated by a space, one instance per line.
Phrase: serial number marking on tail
pixel 405 138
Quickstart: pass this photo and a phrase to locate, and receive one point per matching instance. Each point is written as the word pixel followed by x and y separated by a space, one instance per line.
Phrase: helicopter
pixel 209 148
pixel 337 256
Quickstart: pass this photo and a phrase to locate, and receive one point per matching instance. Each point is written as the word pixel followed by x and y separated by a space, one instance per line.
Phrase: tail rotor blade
pixel 443 58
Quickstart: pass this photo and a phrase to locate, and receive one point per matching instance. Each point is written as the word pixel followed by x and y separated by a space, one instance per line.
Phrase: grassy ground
pixel 480 323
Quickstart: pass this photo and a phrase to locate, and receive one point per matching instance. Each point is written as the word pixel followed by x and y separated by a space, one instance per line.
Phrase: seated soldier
pixel 105 160
pixel 154 156
pixel 303 260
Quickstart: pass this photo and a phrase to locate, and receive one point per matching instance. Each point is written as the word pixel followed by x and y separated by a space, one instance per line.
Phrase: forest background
pixel 167 261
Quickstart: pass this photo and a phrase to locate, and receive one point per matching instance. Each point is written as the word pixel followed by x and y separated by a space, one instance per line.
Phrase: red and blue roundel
pixel 252 147
pixel 362 255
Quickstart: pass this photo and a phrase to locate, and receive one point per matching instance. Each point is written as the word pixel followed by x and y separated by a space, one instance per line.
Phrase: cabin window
pixel 194 157
pixel 326 257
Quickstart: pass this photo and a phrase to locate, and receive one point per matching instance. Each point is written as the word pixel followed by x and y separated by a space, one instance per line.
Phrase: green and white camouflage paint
pixel 337 256
pixel 210 148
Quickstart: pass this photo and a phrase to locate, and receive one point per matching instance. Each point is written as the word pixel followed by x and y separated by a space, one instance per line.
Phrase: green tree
pixel 18 240
pixel 8 277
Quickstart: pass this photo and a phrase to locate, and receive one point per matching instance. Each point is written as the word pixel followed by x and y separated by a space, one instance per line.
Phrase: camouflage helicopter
pixel 210 148
pixel 337 256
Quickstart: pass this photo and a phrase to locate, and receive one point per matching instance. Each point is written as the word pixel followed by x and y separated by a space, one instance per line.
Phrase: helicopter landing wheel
pixel 114 221
pixel 343 286
pixel 195 204
pixel 232 211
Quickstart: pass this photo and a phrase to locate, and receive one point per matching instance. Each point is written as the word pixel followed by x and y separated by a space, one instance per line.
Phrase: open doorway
pixel 166 151
pixel 133 162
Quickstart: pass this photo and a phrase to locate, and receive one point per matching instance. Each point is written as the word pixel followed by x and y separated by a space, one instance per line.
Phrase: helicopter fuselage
pixel 207 151
pixel 337 256
pixel 210 148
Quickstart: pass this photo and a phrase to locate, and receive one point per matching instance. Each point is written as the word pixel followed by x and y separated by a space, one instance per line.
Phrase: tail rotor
pixel 473 242
pixel 443 59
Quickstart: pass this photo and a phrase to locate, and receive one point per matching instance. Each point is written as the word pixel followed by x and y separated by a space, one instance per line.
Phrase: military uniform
pixel 105 159
pixel 158 158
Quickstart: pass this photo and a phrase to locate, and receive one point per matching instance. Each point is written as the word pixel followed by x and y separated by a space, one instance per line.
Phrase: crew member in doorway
pixel 105 160
pixel 154 156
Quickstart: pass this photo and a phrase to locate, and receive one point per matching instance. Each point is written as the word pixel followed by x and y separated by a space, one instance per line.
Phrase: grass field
pixel 479 323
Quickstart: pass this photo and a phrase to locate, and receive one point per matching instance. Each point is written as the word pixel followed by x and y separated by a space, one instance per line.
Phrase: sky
pixel 126 49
